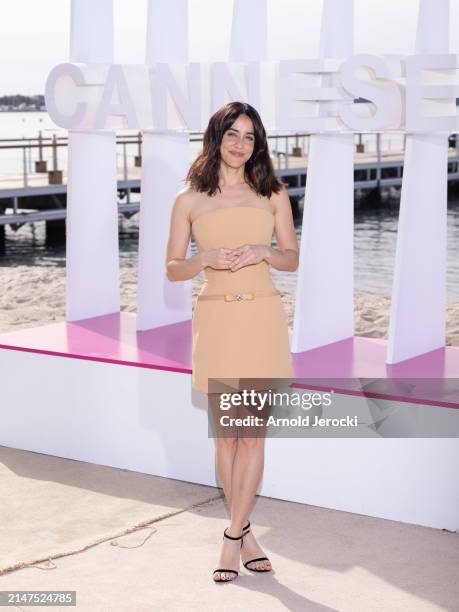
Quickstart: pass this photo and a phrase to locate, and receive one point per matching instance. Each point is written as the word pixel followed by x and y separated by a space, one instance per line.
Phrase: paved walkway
pixel 323 560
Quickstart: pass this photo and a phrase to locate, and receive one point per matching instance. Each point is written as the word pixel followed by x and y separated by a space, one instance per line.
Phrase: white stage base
pixel 148 420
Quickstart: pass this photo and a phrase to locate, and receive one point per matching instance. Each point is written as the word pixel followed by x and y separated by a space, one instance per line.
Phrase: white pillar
pixel 92 273
pixel 249 31
pixel 418 306
pixel 165 162
pixel 324 308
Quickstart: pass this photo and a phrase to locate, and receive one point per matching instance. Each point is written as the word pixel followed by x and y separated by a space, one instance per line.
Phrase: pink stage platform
pixel 113 339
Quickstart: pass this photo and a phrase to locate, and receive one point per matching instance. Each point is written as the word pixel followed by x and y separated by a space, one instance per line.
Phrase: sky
pixel 34 35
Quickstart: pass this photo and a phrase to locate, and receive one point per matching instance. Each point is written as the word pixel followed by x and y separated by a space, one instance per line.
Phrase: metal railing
pixel 289 152
pixel 283 147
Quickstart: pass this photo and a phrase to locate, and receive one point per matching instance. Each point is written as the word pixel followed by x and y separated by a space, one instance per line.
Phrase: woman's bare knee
pixel 227 443
pixel 250 443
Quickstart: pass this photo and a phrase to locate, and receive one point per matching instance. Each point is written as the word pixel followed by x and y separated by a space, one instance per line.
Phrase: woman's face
pixel 238 142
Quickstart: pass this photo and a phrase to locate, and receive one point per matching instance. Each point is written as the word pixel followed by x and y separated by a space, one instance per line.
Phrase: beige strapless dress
pixel 239 325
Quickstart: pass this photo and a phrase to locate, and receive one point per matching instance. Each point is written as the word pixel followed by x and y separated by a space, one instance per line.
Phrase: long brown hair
pixel 258 170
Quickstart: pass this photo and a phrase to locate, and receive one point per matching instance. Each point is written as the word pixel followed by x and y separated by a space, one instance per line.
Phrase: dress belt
pixel 230 297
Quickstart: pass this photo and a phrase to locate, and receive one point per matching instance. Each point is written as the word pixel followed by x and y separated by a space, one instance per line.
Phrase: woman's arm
pixel 178 268
pixel 286 256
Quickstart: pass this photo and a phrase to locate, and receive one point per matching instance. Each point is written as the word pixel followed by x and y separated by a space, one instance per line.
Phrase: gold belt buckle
pixel 230 297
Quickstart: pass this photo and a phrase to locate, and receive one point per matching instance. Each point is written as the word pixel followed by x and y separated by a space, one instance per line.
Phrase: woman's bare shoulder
pixel 187 194
pixel 190 202
pixel 281 199
pixel 186 200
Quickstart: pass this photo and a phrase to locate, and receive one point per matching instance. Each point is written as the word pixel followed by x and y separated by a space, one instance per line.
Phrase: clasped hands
pixel 233 259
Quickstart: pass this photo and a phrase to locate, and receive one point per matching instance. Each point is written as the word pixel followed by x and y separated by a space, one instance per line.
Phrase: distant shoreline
pixel 23 110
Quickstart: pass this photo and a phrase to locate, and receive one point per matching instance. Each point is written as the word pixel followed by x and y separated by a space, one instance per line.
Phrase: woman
pixel 232 205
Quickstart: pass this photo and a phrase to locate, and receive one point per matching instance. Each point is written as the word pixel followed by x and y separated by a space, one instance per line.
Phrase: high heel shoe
pixel 245 531
pixel 222 569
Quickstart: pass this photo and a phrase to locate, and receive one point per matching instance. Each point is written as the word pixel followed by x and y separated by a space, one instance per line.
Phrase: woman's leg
pixel 225 445
pixel 227 441
pixel 240 461
pixel 246 476
pixel 225 450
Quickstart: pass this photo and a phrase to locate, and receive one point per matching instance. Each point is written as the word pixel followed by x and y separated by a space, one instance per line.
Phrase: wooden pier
pixel 36 193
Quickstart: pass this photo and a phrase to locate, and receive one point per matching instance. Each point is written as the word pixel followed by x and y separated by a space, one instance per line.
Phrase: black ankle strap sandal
pixel 223 569
pixel 245 530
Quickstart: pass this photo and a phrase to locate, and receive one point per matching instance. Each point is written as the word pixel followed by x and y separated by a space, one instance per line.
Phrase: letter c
pixel 75 73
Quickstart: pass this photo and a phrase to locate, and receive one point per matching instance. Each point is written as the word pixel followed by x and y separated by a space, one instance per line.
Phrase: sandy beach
pixel 33 296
